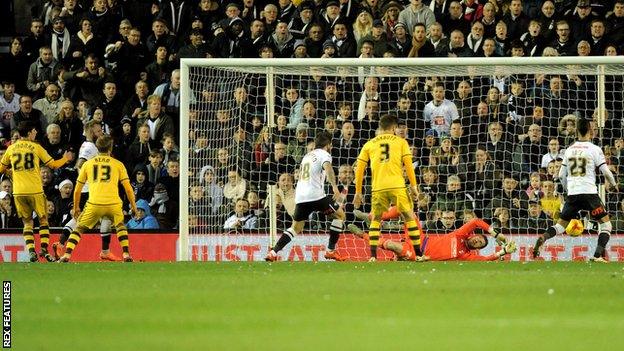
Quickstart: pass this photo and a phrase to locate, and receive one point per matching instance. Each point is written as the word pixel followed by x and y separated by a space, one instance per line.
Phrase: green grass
pixel 324 306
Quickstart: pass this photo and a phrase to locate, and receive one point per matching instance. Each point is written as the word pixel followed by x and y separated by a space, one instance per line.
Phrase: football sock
pixel 29 238
pixel 336 227
pixel 286 237
pixel 122 236
pixel 603 238
pixel 73 240
pixel 106 239
pixel 414 235
pixel 554 230
pixel 64 236
pixel 44 236
pixel 373 237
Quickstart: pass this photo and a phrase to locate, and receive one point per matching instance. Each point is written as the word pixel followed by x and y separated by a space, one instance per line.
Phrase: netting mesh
pixel 486 141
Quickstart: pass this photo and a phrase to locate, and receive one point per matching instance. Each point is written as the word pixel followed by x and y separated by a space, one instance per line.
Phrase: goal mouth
pixel 239 114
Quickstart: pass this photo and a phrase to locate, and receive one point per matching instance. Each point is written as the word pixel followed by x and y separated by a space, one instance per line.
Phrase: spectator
pixel 416 12
pixel 282 40
pixel 297 146
pixel 437 38
pixel 85 83
pixel 9 104
pixel 59 41
pixel 517 22
pixel 479 175
pixel 169 150
pixel 502 221
pixel 554 152
pixel 143 219
pixel 363 25
pixel 71 127
pixel 242 218
pixel 474 40
pixel 302 22
pixel 212 190
pixel 84 42
pixel 235 188
pixel 8 215
pixel 314 41
pixel 140 148
pixel 346 46
pixel 160 69
pixel 170 95
pixel 457 46
pixel 563 43
pixel 50 105
pixel 401 43
pixel 52 142
pixel 550 201
pixel 42 72
pixel 142 187
pixel 455 198
pixel 164 207
pixel 137 103
pixel 28 113
pixel 536 221
pixel 154 167
pixel 277 163
pixel 447 223
pixel 420 46
pixel 35 40
pixel 14 66
pixel 158 122
pixel 509 196
pixel 440 112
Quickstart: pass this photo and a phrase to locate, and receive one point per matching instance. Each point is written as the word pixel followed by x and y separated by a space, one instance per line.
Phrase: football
pixel 575 228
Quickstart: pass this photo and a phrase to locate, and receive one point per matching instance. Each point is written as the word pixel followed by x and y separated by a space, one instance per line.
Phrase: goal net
pixel 487 137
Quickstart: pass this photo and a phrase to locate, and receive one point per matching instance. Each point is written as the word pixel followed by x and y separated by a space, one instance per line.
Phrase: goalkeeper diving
pixel 462 244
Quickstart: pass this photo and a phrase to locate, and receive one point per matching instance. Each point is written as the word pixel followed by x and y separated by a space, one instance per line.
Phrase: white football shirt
pixel 581 160
pixel 87 151
pixel 310 186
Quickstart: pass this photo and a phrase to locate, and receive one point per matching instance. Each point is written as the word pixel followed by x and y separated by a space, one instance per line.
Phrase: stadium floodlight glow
pixel 221 96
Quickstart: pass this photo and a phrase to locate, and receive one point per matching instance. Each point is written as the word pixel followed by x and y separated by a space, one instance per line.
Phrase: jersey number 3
pixel 23 162
pixel 385 152
pixel 104 176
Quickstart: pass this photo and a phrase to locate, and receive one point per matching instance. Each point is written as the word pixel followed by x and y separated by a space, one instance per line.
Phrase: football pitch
pixel 322 306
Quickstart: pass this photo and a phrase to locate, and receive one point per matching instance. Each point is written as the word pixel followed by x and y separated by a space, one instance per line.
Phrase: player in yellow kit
pixel 103 173
pixel 24 158
pixel 388 154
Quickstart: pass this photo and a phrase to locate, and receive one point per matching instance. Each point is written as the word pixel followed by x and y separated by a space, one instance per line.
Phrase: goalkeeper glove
pixel 507 249
pixel 500 238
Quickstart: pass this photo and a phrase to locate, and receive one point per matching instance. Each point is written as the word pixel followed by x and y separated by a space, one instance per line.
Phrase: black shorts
pixel 325 205
pixel 587 202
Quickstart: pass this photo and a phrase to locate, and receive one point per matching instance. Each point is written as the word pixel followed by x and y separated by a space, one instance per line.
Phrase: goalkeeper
pixel 459 245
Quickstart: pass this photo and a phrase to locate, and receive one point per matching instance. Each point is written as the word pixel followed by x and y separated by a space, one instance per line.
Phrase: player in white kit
pixel 578 175
pixel 310 197
pixel 88 150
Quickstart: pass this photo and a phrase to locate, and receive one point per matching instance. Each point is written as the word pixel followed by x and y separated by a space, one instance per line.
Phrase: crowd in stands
pixel 488 146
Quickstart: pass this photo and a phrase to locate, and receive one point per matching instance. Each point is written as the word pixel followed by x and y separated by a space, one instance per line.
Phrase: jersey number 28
pixel 23 162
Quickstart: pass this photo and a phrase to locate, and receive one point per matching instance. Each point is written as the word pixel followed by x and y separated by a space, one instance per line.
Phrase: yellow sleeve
pixel 43 155
pixel 362 162
pixel 82 175
pixel 123 172
pixel 6 158
pixel 407 162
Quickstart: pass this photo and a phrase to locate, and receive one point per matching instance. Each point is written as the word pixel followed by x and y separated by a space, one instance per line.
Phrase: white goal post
pixel 229 105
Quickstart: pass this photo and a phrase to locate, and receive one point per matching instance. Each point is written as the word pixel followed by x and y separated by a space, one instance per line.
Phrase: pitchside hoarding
pixel 253 247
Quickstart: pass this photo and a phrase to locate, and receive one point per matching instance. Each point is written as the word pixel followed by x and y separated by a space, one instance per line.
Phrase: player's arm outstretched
pixel 68 156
